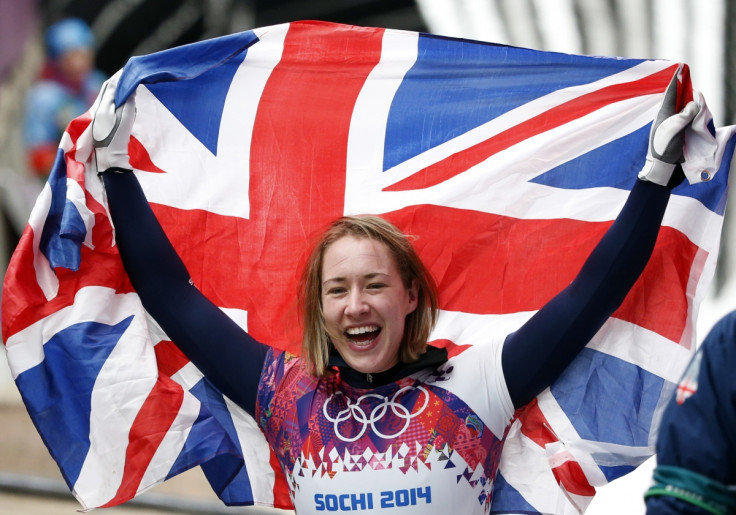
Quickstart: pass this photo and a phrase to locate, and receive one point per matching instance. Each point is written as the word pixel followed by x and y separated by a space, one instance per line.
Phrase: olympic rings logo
pixel 356 412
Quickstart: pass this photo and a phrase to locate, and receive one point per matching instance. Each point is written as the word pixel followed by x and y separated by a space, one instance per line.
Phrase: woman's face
pixel 365 303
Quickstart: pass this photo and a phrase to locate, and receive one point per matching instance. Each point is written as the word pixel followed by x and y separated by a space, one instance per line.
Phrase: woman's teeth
pixel 362 334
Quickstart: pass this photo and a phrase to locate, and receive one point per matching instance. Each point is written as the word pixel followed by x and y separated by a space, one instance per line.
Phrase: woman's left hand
pixel 667 139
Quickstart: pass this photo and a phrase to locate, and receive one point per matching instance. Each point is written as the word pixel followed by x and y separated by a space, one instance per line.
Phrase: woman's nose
pixel 356 304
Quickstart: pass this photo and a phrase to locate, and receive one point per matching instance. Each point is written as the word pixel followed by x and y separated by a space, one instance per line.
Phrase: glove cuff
pixel 115 169
pixel 657 172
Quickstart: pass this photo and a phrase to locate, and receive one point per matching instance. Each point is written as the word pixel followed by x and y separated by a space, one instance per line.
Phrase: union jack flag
pixel 506 164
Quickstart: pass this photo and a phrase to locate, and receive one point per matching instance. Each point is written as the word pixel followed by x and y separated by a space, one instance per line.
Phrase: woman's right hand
pixel 111 127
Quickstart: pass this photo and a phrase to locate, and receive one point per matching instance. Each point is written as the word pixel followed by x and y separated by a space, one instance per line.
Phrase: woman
pixel 371 417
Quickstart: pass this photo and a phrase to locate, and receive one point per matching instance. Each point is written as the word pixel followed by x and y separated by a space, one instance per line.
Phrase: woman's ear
pixel 413 293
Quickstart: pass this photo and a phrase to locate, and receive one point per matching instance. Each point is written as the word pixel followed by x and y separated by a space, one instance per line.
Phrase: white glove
pixel 111 127
pixel 667 138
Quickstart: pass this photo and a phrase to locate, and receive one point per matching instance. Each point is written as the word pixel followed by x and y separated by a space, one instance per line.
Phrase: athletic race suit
pixel 428 443
pixel 419 438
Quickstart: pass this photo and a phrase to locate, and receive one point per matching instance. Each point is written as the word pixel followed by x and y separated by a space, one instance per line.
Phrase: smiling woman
pixel 372 417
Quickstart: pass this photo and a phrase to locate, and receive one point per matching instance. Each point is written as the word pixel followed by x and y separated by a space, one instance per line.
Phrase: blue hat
pixel 68 34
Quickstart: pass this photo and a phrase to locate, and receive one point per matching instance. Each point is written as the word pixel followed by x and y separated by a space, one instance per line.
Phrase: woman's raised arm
pixel 221 349
pixel 536 354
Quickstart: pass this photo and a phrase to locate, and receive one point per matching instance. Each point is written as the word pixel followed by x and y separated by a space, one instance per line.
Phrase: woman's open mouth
pixel 363 335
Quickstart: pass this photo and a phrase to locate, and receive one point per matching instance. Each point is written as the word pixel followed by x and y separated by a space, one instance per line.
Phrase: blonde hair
pixel 316 344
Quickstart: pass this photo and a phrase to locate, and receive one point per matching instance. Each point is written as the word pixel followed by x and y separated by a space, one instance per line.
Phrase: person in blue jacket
pixel 696 446
pixel 67 87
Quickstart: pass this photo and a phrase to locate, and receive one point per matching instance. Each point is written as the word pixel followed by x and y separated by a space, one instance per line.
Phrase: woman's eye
pixel 375 286
pixel 336 291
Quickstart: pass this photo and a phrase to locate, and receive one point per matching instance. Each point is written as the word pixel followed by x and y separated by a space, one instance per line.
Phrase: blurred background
pixel 51 70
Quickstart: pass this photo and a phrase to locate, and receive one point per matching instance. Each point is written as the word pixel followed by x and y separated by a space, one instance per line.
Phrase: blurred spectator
pixel 21 55
pixel 68 86
pixel 696 449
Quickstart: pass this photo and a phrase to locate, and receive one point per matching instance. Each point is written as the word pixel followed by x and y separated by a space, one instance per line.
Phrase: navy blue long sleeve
pixel 221 349
pixel 536 354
